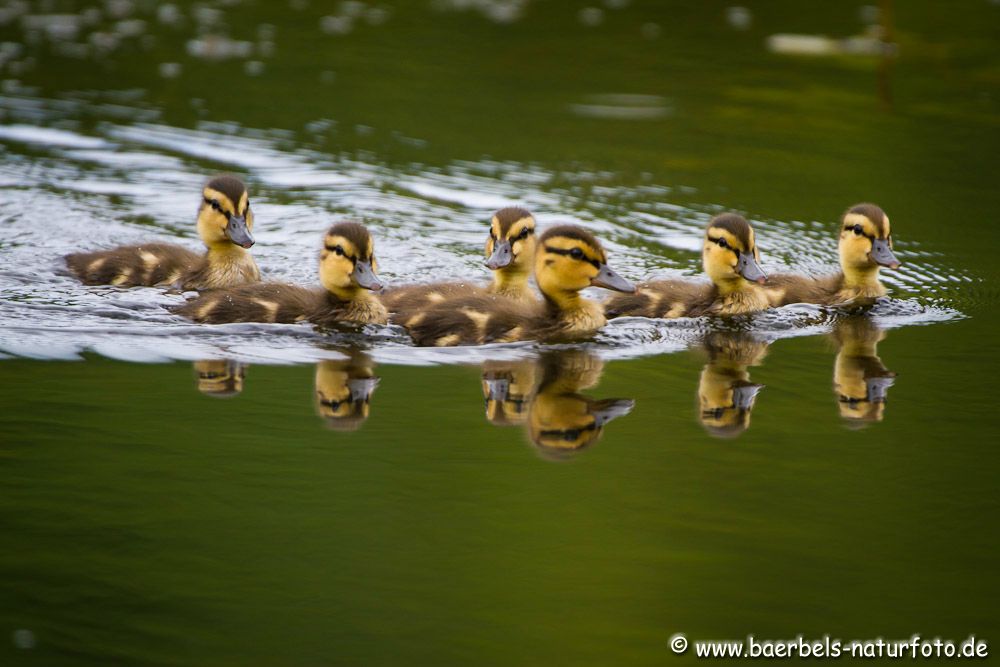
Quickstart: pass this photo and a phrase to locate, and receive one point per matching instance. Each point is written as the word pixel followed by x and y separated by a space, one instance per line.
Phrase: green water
pixel 145 522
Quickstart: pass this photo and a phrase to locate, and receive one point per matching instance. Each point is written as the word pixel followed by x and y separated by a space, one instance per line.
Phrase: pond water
pixel 272 494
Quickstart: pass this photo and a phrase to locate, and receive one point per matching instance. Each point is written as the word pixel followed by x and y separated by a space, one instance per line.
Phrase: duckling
pixel 561 421
pixel 865 247
pixel 344 391
pixel 731 261
pixel 220 378
pixel 225 222
pixel 508 388
pixel 510 251
pixel 726 395
pixel 860 379
pixel 568 259
pixel 347 269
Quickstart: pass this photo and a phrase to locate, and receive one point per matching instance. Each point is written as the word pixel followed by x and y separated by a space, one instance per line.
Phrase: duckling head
pixel 347 262
pixel 510 248
pixel 866 242
pixel 730 255
pixel 224 217
pixel 569 259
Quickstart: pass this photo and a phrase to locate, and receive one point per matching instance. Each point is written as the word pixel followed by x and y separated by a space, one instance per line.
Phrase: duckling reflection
pixel 509 388
pixel 726 395
pixel 222 378
pixel 344 391
pixel 561 421
pixel 860 378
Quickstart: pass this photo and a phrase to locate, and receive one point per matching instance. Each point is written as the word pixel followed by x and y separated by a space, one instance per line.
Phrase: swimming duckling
pixel 725 393
pixel 731 261
pixel 860 379
pixel 561 421
pixel 510 252
pixel 865 246
pixel 220 378
pixel 346 270
pixel 568 259
pixel 344 391
pixel 225 222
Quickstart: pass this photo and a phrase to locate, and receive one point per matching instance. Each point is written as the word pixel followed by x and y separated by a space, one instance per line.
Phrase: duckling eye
pixel 722 243
pixel 857 230
pixel 338 250
pixel 576 253
pixel 524 234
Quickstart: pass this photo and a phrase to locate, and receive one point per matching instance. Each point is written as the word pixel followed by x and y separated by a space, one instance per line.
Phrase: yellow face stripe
pixel 519 226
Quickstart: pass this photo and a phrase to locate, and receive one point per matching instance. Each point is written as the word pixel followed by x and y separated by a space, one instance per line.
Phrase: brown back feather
pixel 105 266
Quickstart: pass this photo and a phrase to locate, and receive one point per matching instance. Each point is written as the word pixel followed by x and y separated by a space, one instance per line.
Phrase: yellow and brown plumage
pixel 225 223
pixel 865 246
pixel 510 252
pixel 568 259
pixel 347 271
pixel 731 261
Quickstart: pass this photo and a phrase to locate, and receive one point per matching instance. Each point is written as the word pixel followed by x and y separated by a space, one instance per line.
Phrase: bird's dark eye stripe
pixel 859 230
pixel 569 253
pixel 722 243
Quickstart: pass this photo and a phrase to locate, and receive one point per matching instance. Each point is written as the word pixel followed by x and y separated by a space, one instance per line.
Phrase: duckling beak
pixel 882 254
pixel 745 395
pixel 608 279
pixel 362 388
pixel 238 232
pixel 501 256
pixel 611 408
pixel 748 267
pixel 364 276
